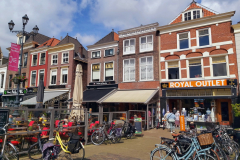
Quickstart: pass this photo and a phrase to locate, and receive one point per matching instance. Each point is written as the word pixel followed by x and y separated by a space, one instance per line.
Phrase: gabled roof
pixel 40 38
pixel 50 42
pixel 194 5
pixel 112 36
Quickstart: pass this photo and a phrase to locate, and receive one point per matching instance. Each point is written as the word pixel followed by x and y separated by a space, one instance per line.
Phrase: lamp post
pixel 23 33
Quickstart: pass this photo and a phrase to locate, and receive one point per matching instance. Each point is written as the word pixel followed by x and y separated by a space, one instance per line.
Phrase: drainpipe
pixel 117 63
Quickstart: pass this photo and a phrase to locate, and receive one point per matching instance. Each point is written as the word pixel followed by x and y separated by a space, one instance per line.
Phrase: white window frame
pixel 67 57
pixel 210 37
pixel 52 59
pixel 109 49
pixel 130 52
pixel 51 77
pixel 179 67
pixel 105 71
pixel 35 79
pixel 40 58
pixel 189 41
pixel 129 73
pixel 32 60
pixel 62 75
pixel 24 59
pixel 39 75
pixel 188 70
pixel 199 9
pixel 147 49
pixel 227 65
pixel 96 51
pixel 99 72
pixel 146 71
pixel 2 80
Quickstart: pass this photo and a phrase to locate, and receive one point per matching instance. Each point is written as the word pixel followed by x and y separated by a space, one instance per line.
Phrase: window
pixel 146 68
pixel 109 71
pixel 10 82
pixel 219 66
pixel 34 60
pixel 96 54
pixel 203 37
pixel 95 72
pixel 23 84
pixel 183 40
pixel 53 77
pixel 2 80
pixel 196 14
pixel 42 58
pixel 64 76
pixel 54 59
pixel 33 78
pixel 65 57
pixel 25 58
pixel 20 39
pixel 129 46
pixel 41 75
pixel 187 16
pixel 173 70
pixel 193 14
pixel 129 70
pixel 108 52
pixel 0 62
pixel 195 68
pixel 146 43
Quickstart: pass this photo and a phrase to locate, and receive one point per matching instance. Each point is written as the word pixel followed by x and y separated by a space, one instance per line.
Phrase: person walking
pixel 177 122
pixel 171 119
pixel 174 110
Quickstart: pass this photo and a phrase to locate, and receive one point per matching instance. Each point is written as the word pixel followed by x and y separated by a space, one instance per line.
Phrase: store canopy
pixel 48 97
pixel 130 96
pixel 94 95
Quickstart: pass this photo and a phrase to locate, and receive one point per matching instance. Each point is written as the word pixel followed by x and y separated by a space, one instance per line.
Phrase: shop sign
pixel 102 83
pixel 14 91
pixel 57 86
pixel 32 90
pixel 207 83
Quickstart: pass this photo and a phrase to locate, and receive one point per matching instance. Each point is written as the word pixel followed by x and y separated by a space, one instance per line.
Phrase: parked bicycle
pixel 8 151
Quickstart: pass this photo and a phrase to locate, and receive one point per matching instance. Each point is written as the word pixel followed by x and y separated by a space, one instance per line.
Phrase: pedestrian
pixel 177 115
pixel 174 110
pixel 171 119
pixel 10 120
pixel 150 118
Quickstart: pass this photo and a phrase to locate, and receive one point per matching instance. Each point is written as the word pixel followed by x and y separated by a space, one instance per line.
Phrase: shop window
pixel 95 72
pixel 34 60
pixel 96 54
pixel 146 68
pixel 146 43
pixel 54 59
pixel 25 58
pixel 65 58
pixel 33 78
pixel 42 58
pixel 219 65
pixel 203 37
pixel 129 70
pixel 195 68
pixel 183 40
pixel 173 70
pixel 41 75
pixel 109 71
pixel 53 77
pixel 64 75
pixel 108 52
pixel 128 46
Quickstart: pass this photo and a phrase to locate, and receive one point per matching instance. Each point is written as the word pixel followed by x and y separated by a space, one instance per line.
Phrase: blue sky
pixel 90 20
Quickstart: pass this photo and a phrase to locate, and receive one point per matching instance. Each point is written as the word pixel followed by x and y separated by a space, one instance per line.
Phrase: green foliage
pixel 236 109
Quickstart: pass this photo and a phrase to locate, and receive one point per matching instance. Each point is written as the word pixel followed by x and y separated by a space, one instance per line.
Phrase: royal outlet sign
pixel 206 83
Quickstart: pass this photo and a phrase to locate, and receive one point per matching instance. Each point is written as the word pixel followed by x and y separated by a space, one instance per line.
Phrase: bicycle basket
pixel 205 139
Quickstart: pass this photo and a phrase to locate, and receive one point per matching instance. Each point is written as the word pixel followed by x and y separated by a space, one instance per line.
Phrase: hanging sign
pixel 14 57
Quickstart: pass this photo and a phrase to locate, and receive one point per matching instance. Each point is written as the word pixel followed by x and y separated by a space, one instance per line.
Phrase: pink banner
pixel 14 57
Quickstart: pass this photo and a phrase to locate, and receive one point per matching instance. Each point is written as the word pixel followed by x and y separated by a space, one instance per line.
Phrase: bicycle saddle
pixel 175 135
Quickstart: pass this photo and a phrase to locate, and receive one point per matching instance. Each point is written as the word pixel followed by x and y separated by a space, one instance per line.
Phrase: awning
pixel 130 96
pixel 48 95
pixel 94 95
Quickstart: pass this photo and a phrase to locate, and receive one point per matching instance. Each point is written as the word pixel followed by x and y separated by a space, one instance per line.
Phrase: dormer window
pixel 192 14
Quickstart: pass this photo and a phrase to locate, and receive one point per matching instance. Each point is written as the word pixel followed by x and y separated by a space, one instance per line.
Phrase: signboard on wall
pixel 14 57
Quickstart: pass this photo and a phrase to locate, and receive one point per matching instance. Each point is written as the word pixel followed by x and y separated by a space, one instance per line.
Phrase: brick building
pixel 198 62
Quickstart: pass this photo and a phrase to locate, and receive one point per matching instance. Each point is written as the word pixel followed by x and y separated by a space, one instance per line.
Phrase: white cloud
pixel 87 39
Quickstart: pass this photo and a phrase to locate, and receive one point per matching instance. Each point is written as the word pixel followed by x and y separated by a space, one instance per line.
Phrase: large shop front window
pixel 53 77
pixel 129 69
pixel 183 40
pixel 173 70
pixel 219 66
pixel 33 78
pixel 95 72
pixel 195 68
pixel 109 71
pixel 146 68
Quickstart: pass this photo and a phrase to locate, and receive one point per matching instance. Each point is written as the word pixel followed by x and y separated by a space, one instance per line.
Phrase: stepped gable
pixel 50 42
pixel 194 5
pixel 112 36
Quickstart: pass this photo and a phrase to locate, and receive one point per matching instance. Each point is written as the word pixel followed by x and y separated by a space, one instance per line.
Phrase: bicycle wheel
pixel 64 156
pixel 34 152
pixel 10 152
pixel 97 137
pixel 78 156
pixel 161 154
pixel 204 157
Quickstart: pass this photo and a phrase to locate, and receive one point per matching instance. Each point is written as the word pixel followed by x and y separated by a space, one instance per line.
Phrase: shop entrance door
pixel 224 111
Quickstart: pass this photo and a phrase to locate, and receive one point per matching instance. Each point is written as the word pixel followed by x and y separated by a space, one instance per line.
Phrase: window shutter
pixel 96 67
pixel 221 59
pixel 64 71
pixel 173 64
pixel 195 61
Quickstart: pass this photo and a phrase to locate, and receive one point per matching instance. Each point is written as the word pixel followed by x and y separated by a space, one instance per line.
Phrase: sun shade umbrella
pixel 40 97
pixel 77 112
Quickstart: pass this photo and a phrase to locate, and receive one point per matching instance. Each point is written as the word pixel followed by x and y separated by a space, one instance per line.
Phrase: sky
pixel 91 20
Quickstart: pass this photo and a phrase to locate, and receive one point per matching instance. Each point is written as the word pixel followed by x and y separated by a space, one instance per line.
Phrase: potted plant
pixel 18 79
pixel 236 112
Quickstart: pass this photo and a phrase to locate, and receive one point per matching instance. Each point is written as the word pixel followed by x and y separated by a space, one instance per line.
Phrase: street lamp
pixel 23 33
